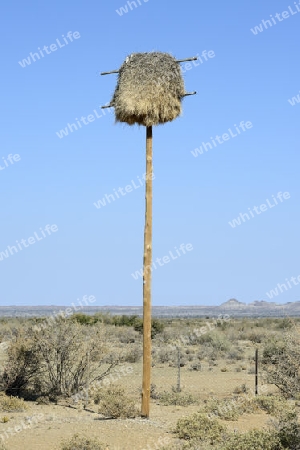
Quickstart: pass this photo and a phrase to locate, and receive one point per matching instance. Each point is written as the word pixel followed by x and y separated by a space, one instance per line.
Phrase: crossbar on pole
pixel 108 73
pixel 194 58
pixel 190 93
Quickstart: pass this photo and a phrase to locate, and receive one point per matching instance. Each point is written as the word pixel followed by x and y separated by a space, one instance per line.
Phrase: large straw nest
pixel 149 90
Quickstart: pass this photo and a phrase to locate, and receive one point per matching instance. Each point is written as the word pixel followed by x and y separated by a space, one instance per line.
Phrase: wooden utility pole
pixel 147 280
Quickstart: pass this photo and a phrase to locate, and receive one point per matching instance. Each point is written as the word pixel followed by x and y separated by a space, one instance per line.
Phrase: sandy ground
pixel 57 422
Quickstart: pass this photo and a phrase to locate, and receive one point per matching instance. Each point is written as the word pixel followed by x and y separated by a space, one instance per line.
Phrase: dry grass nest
pixel 149 90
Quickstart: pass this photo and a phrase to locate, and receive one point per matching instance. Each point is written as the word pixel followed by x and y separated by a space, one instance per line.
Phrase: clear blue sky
pixel 56 181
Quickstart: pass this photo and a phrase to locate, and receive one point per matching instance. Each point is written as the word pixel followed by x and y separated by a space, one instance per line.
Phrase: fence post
pixel 178 377
pixel 256 371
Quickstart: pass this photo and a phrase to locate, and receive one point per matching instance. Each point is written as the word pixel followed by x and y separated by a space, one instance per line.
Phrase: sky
pixel 226 172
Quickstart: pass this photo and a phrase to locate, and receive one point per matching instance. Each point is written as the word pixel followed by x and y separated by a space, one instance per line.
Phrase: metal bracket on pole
pixel 107 106
pixel 194 58
pixel 190 93
pixel 108 73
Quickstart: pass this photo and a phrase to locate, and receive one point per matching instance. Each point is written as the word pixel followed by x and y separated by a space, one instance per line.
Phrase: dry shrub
pixel 253 440
pixel 53 360
pixel 78 442
pixel 134 354
pixel 149 90
pixel 281 359
pixel 199 426
pixel 229 408
pixel 176 398
pixel 195 366
pixel 242 389
pixel 114 403
pixel 12 404
pixel 288 429
pixel 273 405
pixel 166 354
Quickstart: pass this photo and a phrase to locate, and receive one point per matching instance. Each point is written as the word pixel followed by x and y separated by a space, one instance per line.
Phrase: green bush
pixel 199 426
pixel 78 442
pixel 157 326
pixel 84 319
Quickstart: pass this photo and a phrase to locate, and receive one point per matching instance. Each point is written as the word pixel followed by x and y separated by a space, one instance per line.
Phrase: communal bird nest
pixel 149 90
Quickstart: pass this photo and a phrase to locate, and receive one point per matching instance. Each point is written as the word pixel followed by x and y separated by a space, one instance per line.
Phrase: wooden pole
pixel 147 280
pixel 256 371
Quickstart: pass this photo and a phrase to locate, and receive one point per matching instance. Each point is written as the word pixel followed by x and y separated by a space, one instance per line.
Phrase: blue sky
pixel 57 181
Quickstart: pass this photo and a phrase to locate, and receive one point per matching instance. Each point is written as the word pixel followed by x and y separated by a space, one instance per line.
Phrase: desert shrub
pixel 273 405
pixel 288 429
pixel 134 354
pixel 126 335
pixel 54 360
pixel 285 323
pixel 256 337
pixel 235 354
pixel 4 419
pixel 12 404
pixel 84 319
pixel 215 340
pixel 196 365
pixel 157 326
pixel 274 346
pixel 153 392
pixel 43 400
pixel 281 361
pixel 225 409
pixel 78 442
pixel 229 408
pixel 199 426
pixel 253 440
pixel 164 355
pixel 113 402
pixel 176 398
pixel 242 389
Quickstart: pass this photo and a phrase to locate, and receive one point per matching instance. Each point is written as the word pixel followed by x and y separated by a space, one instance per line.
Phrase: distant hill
pixel 233 307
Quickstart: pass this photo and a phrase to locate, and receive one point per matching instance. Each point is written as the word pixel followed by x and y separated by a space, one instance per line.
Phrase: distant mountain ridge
pixel 233 307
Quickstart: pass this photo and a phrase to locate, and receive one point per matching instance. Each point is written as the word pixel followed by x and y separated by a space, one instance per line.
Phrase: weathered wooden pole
pixel 147 280
pixel 135 102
